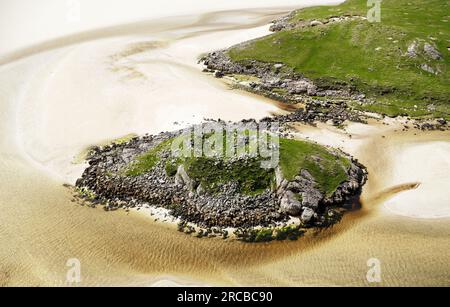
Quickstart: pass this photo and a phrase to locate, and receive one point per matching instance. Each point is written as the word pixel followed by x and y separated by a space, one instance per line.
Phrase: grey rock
pixel 218 74
pixel 311 90
pixel 432 52
pixel 200 190
pixel 294 186
pixel 307 215
pixel 412 49
pixel 306 175
pixel 311 198
pixel 182 178
pixel 299 87
pixel 315 23
pixel 290 205
pixel 428 68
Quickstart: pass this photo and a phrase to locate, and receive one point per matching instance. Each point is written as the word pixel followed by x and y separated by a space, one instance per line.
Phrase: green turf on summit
pixel 370 56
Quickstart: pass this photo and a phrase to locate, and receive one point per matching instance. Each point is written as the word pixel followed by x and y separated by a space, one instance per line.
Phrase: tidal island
pixel 221 195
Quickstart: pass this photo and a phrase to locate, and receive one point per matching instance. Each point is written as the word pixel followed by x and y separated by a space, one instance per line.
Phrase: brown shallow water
pixel 41 228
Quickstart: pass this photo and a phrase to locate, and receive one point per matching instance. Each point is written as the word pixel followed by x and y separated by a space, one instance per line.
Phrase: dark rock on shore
pixel 323 100
pixel 105 182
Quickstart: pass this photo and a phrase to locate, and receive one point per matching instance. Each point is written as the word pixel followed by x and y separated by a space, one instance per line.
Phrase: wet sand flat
pixel 55 104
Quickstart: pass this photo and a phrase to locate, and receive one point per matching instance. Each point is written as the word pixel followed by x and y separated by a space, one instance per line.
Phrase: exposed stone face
pixel 412 49
pixel 299 87
pixel 307 215
pixel 182 178
pixel 273 82
pixel 290 205
pixel 432 52
pixel 428 68
pixel 315 23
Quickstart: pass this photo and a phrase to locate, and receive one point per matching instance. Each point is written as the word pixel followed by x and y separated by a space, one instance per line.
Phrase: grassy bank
pixel 372 57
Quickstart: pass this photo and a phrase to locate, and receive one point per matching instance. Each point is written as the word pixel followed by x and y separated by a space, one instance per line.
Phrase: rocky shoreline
pixel 265 216
pixel 320 100
pixel 284 209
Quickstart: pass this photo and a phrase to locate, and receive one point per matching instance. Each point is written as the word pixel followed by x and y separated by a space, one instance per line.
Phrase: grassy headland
pixel 371 57
pixel 243 180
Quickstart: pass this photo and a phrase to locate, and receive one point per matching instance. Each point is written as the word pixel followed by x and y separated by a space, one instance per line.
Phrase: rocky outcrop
pixel 428 50
pixel 428 68
pixel 301 197
pixel 412 49
pixel 290 204
pixel 287 22
pixel 426 53
pixel 272 78
pixel 432 52
pixel 190 201
pixel 279 83
pixel 182 179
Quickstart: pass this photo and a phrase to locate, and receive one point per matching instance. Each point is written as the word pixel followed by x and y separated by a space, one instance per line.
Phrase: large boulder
pixel 412 49
pixel 432 52
pixel 307 215
pixel 290 204
pixel 315 23
pixel 427 68
pixel 182 178
pixel 300 87
pixel 311 196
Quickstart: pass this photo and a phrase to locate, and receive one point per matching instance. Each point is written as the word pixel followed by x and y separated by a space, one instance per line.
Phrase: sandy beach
pixel 76 87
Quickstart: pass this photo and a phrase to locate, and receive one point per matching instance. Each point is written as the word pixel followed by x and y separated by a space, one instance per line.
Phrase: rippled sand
pixel 145 83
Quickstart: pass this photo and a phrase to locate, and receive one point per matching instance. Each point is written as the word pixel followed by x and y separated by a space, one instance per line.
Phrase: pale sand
pixel 400 160
pixel 142 93
pixel 428 164
pixel 23 25
pixel 44 124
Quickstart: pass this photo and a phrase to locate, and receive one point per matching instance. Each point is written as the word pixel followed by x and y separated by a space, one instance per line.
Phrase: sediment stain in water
pixel 392 191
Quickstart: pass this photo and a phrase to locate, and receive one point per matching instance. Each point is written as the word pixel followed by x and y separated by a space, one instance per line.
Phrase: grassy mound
pixel 369 56
pixel 147 161
pixel 328 169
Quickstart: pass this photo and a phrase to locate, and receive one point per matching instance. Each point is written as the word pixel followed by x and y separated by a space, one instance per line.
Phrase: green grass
pixel 290 232
pixel 368 56
pixel 210 173
pixel 245 78
pixel 86 193
pixel 124 139
pixel 328 170
pixel 147 161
